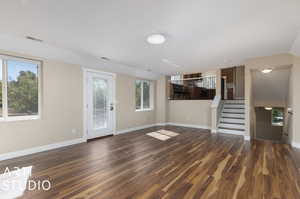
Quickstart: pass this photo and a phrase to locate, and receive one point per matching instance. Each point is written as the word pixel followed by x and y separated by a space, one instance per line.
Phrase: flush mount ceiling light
pixel 268 108
pixel 156 39
pixel 267 70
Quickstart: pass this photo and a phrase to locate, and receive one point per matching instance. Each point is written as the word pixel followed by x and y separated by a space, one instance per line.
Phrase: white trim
pixel 230 132
pixel 247 137
pixel 5 117
pixel 161 124
pixel 33 150
pixel 189 125
pixel 20 118
pixel 85 101
pixel 213 130
pixel 85 69
pixel 296 144
pixel 141 110
pixel 151 95
pixel 135 129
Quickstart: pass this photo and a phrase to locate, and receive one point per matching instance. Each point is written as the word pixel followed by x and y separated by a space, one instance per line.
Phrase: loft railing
pixel 199 88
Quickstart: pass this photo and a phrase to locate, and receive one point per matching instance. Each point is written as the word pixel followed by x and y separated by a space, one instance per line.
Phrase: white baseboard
pixel 135 129
pixel 20 153
pixel 247 137
pixel 214 130
pixel 189 125
pixel 296 144
pixel 160 124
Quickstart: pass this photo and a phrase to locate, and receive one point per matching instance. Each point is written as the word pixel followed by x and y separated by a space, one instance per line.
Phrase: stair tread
pixel 233 112
pixel 242 118
pixel 234 107
pixel 234 103
pixel 231 123
pixel 231 129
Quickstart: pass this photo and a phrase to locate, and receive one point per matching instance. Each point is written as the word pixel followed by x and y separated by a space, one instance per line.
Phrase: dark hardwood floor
pixel 195 164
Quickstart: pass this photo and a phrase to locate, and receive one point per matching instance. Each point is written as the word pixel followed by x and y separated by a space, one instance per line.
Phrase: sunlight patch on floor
pixel 162 134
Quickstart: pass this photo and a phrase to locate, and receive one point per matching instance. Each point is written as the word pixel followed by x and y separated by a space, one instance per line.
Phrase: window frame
pixel 5 117
pixel 142 95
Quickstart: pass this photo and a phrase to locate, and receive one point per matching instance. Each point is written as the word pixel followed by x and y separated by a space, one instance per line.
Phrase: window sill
pixel 142 110
pixel 20 118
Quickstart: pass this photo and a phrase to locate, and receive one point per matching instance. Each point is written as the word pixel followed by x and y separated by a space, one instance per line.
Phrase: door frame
pixel 85 99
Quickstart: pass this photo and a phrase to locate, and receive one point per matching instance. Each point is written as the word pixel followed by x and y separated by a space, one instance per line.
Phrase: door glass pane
pixel 22 88
pixel 146 95
pixel 100 103
pixel 1 106
pixel 138 94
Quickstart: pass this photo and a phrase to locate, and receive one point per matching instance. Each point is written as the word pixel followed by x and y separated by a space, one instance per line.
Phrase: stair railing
pixel 216 109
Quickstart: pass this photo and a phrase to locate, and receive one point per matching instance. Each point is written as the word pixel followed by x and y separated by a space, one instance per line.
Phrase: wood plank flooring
pixel 195 164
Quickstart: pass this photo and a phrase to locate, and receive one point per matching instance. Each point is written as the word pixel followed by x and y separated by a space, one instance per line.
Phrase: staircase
pixel 232 119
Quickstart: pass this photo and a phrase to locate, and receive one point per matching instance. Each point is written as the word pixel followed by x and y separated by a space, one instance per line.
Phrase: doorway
pixel 233 83
pixel 100 104
pixel 269 123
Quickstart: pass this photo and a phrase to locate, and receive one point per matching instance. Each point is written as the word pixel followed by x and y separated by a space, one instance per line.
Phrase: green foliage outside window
pixel 22 94
pixel 277 116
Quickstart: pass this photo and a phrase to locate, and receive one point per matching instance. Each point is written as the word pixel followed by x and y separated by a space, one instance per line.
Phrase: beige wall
pixel 126 115
pixel 62 109
pixel 288 117
pixel 161 100
pixel 295 101
pixel 192 112
pixel 269 61
pixel 62 100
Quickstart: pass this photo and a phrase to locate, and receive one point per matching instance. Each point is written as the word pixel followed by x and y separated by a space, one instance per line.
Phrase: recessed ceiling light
pixel 267 70
pixel 268 108
pixel 156 39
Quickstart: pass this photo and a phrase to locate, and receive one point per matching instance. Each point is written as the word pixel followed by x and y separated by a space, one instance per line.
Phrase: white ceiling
pixel 271 88
pixel 201 34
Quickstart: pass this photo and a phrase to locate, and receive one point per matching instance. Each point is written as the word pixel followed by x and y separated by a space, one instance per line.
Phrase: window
pixel 19 93
pixel 142 95
pixel 277 116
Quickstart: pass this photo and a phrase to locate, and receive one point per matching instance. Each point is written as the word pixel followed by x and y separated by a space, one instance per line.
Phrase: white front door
pixel 100 104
